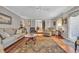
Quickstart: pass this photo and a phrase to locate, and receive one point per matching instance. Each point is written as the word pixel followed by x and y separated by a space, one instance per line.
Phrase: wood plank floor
pixel 61 43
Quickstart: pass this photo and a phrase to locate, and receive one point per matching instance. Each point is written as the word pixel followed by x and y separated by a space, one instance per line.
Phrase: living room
pixel 27 29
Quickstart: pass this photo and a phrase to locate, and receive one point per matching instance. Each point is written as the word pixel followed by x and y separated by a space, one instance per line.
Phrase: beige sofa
pixel 9 36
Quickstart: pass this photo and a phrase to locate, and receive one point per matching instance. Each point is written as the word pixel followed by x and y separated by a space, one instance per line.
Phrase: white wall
pixel 15 18
pixel 52 24
pixel 65 33
pixel 73 31
pixel 48 24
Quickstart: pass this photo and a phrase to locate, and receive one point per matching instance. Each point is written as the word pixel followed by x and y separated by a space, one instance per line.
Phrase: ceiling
pixel 38 12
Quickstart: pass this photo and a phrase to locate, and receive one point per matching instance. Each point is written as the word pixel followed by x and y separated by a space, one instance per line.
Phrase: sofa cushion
pixel 4 35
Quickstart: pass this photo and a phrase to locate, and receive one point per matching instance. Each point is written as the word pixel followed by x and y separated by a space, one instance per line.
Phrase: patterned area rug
pixel 43 45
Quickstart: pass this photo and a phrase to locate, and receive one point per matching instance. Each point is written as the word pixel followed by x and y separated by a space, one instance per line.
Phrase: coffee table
pixel 30 37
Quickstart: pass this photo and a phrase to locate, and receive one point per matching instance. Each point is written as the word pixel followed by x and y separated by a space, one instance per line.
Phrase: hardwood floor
pixel 61 43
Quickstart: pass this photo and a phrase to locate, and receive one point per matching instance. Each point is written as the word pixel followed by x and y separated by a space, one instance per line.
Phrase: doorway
pixel 40 25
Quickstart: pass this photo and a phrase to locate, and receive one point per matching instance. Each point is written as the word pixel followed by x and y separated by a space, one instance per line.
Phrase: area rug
pixel 43 45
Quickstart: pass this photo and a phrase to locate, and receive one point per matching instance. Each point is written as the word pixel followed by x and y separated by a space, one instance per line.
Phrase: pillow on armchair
pixel 4 35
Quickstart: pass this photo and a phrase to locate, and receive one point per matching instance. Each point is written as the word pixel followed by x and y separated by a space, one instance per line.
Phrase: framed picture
pixel 5 19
